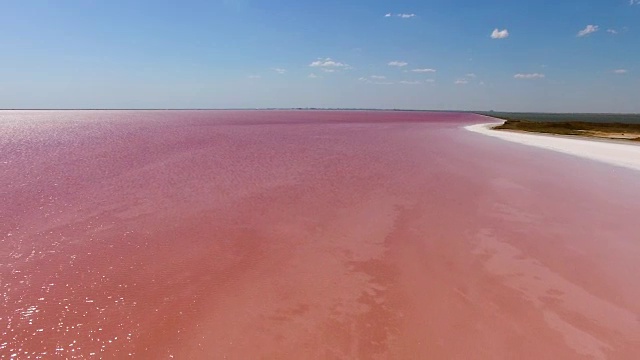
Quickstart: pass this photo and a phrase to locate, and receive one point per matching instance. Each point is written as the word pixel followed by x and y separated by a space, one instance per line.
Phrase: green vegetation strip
pixel 600 130
pixel 566 117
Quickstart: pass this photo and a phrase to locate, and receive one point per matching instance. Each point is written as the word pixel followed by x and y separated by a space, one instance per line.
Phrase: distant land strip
pixel 604 126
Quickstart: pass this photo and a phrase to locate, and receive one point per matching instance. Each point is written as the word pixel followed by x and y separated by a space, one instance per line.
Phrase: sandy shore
pixel 611 152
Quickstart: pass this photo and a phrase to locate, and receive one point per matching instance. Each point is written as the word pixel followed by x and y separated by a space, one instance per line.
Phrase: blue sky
pixel 544 55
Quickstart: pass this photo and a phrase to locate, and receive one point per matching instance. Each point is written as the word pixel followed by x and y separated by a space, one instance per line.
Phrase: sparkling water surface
pixel 307 234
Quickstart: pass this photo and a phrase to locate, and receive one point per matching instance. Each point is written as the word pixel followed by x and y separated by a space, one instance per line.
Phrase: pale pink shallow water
pixel 243 235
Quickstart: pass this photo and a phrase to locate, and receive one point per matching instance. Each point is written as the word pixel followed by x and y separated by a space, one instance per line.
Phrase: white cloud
pixel 375 79
pixel 372 77
pixel 590 29
pixel 613 31
pixel 531 76
pixel 402 16
pixel 461 82
pixel 328 70
pixel 500 34
pixel 280 71
pixel 398 63
pixel 621 71
pixel 312 76
pixel 471 75
pixel 634 2
pixel 329 63
pixel 424 70
pixel 408 82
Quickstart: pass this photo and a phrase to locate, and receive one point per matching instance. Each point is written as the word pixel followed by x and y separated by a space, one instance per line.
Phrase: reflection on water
pixel 55 304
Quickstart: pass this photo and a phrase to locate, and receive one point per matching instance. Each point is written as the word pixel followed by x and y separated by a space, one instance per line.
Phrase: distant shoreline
pixel 566 120
pixel 533 116
pixel 611 131
pixel 244 109
pixel 614 152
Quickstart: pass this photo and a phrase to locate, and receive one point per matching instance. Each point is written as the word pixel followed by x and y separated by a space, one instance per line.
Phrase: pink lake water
pixel 315 235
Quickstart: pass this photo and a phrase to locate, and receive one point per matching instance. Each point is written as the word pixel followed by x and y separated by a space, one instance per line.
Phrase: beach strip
pixel 610 152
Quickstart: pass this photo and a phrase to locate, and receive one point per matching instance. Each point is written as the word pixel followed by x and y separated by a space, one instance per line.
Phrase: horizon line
pixel 481 112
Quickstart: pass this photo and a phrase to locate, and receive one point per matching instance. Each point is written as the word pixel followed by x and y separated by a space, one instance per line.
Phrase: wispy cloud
pixel 621 71
pixel 471 75
pixel 634 2
pixel 398 63
pixel 375 79
pixel 531 76
pixel 500 34
pixel 410 82
pixel 402 16
pixel 329 63
pixel 461 82
pixel 279 70
pixel 613 31
pixel 312 76
pixel 424 70
pixel 590 29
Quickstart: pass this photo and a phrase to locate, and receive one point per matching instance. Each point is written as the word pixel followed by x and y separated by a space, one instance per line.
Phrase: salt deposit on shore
pixel 615 153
